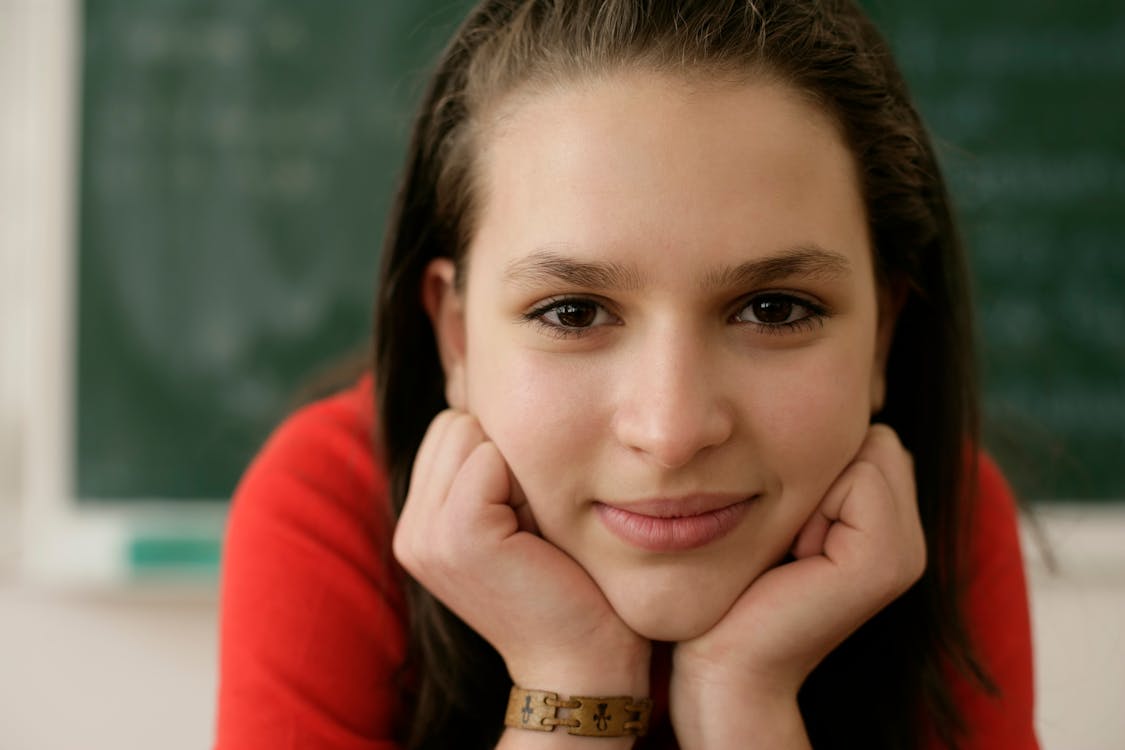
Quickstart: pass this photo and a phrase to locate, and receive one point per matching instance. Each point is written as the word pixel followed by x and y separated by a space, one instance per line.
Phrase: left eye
pixel 574 314
pixel 774 310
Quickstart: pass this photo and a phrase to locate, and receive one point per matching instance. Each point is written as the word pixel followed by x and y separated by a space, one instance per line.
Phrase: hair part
pixel 879 684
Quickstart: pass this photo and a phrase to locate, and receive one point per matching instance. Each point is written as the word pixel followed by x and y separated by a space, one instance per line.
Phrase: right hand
pixel 461 537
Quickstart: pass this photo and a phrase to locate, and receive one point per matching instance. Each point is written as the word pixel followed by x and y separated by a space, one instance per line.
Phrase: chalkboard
pixel 1027 102
pixel 238 157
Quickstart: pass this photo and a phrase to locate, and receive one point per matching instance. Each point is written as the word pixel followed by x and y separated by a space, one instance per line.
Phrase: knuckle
pixel 403 549
pixel 880 430
pixel 467 426
pixel 867 472
pixel 883 441
pixel 885 433
pixel 864 467
pixel 446 562
pixel 466 434
pixel 438 422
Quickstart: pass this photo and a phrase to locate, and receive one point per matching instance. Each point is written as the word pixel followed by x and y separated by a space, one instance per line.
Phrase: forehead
pixel 644 168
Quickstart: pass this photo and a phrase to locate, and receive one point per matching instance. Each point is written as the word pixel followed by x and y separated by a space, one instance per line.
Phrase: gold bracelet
pixel 616 716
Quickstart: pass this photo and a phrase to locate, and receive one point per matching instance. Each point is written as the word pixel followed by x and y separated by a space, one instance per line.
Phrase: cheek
pixel 541 412
pixel 814 420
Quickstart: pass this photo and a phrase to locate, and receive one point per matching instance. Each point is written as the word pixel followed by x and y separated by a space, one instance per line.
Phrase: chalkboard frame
pixel 65 537
pixel 64 541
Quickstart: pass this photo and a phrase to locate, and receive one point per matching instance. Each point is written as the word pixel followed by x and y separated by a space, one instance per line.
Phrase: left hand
pixel 861 549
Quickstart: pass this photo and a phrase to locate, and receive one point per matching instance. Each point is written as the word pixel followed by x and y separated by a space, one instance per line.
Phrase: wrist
pixel 613 672
pixel 603 716
pixel 518 739
pixel 619 671
pixel 718 718
pixel 768 683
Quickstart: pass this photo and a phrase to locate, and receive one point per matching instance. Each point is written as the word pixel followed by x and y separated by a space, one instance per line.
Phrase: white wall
pixel 82 672
pixel 1080 662
pixel 1078 624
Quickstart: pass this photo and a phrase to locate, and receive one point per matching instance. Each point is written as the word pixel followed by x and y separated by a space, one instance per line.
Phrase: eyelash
pixel 536 316
pixel 814 318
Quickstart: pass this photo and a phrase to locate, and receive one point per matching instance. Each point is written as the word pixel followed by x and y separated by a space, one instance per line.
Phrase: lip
pixel 674 525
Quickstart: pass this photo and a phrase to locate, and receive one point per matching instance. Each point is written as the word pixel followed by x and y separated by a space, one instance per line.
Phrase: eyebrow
pixel 809 261
pixel 548 264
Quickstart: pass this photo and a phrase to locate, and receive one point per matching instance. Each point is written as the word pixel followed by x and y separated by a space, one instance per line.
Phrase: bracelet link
pixel 616 716
pixel 613 716
pixel 532 709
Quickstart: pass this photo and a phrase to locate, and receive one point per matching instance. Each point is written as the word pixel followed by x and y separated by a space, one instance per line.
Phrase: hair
pixel 887 685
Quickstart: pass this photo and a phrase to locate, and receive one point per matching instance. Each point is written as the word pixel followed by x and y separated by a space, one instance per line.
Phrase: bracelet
pixel 616 716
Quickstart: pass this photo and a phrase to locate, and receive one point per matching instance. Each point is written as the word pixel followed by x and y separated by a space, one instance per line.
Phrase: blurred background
pixel 192 197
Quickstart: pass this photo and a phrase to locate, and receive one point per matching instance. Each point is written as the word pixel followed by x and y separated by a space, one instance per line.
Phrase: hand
pixel 861 549
pixel 461 537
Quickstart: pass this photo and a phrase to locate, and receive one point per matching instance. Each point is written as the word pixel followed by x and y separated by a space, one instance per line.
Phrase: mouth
pixel 674 525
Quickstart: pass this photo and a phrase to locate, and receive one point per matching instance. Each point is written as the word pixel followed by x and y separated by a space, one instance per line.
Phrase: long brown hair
pixel 888 683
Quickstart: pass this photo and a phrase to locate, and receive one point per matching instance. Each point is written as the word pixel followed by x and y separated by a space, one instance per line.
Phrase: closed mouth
pixel 673 525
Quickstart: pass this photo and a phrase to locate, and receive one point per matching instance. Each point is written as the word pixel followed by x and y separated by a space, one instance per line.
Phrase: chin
pixel 674 616
pixel 675 628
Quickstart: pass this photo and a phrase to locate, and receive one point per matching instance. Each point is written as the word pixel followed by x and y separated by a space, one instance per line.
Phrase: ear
pixel 891 298
pixel 445 306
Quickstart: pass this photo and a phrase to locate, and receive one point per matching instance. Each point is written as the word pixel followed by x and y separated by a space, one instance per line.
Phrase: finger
pixel 810 539
pixel 418 505
pixel 422 518
pixel 452 437
pixel 885 451
pixel 460 438
pixel 420 474
pixel 526 519
pixel 865 500
pixel 877 447
pixel 881 546
pixel 518 500
pixel 883 448
pixel 861 517
pixel 478 510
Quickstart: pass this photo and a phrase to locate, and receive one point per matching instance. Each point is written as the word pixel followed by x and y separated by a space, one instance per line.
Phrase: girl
pixel 675 412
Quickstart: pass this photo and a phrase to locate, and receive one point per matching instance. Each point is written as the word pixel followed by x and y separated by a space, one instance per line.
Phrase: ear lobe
pixel 892 297
pixel 445 306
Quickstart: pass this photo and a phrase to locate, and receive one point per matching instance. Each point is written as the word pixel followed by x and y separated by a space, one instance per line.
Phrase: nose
pixel 672 404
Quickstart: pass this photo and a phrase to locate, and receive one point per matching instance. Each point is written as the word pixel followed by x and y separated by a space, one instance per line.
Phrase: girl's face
pixel 670 328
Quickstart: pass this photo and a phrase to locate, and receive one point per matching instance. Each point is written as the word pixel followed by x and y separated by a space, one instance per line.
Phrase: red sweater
pixel 313 620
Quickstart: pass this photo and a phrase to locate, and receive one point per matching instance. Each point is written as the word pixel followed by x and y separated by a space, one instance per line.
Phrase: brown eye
pixel 771 310
pixel 573 314
pixel 779 312
pixel 571 317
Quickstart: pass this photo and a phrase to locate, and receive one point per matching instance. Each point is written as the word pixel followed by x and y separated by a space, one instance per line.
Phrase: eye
pixel 778 312
pixel 571 316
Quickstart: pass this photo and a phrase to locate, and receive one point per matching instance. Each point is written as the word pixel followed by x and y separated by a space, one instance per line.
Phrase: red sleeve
pixel 311 625
pixel 997 617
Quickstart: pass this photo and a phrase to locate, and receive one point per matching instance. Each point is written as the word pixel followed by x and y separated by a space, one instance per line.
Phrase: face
pixel 669 327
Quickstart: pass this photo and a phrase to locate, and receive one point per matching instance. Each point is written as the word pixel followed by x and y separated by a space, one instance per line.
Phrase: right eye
pixel 571 316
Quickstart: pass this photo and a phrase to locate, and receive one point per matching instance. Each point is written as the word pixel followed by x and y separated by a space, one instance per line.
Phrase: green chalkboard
pixel 238 157
pixel 1027 102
